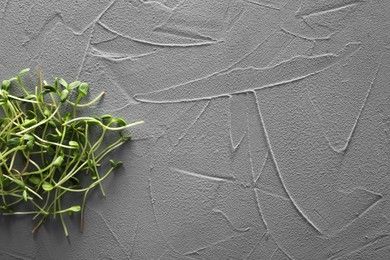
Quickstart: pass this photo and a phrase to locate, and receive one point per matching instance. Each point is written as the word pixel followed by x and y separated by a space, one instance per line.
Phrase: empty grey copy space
pixel 266 134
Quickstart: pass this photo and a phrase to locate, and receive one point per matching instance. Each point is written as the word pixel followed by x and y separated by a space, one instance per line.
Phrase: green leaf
pixel 5 84
pixel 74 209
pixel 63 82
pixel 25 196
pixel 30 96
pixel 23 72
pixel 13 142
pixel 67 117
pixel 106 116
pixel 119 121
pixel 34 180
pixel 49 88
pixel 47 186
pixel 47 112
pixel 74 84
pixel 125 137
pixel 19 182
pixel 115 164
pixel 58 161
pixel 5 94
pixel 53 138
pixel 74 144
pixel 30 145
pixel 28 137
pixel 91 122
pixel 29 122
pixel 83 89
pixel 52 123
pixel 64 95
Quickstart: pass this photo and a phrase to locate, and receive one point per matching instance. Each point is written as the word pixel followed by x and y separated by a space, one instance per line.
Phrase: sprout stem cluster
pixel 47 151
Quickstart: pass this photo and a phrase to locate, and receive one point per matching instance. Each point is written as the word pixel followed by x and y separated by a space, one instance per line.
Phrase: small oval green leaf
pixel 23 72
pixel 64 95
pixel 74 84
pixel 63 82
pixel 34 180
pixel 5 84
pixel 83 89
pixel 25 195
pixel 58 161
pixel 74 144
pixel 47 186
pixel 13 142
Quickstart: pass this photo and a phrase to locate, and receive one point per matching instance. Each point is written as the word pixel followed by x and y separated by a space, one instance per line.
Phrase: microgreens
pixel 47 152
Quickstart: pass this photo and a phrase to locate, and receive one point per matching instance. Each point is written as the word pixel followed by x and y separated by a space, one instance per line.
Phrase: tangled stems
pixel 47 153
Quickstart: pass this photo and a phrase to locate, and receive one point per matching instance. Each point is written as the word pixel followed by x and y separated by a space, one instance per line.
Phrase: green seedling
pixel 47 152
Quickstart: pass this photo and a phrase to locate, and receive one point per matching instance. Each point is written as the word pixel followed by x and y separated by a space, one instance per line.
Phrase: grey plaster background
pixel 267 125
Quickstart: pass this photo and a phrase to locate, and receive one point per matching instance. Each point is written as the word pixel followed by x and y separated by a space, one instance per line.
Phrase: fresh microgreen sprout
pixel 45 151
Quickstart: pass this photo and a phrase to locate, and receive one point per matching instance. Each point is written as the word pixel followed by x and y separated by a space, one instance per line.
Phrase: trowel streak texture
pixel 266 135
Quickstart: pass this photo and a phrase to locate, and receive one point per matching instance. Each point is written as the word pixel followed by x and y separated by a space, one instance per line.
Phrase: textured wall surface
pixel 266 135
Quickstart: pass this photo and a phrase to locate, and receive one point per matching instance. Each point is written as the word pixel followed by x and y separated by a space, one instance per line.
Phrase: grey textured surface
pixel 266 135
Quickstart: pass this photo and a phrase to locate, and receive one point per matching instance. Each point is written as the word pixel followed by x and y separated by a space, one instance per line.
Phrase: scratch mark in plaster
pixel 96 20
pixel 84 56
pixel 263 189
pixel 233 146
pixel 159 44
pixel 255 173
pixel 281 50
pixel 265 222
pixel 262 4
pixel 152 201
pixel 273 253
pixel 262 167
pixel 326 6
pixel 322 129
pixel 184 34
pixel 191 125
pixel 278 170
pixel 104 41
pixel 167 8
pixel 196 252
pixel 331 9
pixel 360 214
pixel 344 148
pixel 117 57
pixel 251 52
pixel 133 239
pixel 234 20
pixel 240 230
pixel 326 38
pixel 257 195
pixel 56 18
pixel 205 176
pixel 378 239
pixel 122 247
pixel 318 213
pixel 252 163
pixel 381 247
pixel 161 256
pixel 254 248
pixel 200 89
